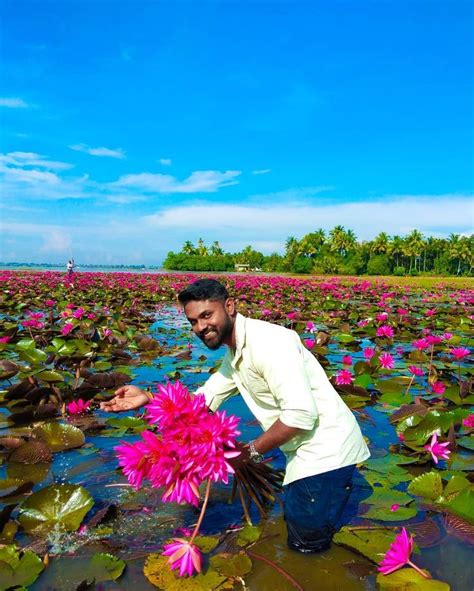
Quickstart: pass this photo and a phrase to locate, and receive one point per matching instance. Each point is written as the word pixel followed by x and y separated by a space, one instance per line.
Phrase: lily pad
pixel 18 568
pixel 158 572
pixel 250 534
pixel 372 544
pixel 408 579
pixel 231 565
pixel 60 506
pixel 59 437
pixel 428 485
pixel 31 452
pixel 105 567
pixel 206 543
pixel 386 514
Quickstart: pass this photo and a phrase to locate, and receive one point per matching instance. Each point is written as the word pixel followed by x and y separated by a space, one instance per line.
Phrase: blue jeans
pixel 313 508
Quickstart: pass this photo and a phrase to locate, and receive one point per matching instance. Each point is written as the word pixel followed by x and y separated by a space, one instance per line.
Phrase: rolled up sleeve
pixel 283 368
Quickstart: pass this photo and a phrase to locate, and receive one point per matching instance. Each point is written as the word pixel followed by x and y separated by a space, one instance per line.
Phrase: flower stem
pixel 418 569
pixel 431 360
pixel 203 510
pixel 409 385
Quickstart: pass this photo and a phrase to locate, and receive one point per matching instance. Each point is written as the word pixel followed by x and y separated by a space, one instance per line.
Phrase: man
pixel 288 392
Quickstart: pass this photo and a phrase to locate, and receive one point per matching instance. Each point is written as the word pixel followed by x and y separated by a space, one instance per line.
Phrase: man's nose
pixel 201 325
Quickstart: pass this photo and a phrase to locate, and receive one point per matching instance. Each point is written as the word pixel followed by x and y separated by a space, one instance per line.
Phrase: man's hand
pixel 126 398
pixel 239 461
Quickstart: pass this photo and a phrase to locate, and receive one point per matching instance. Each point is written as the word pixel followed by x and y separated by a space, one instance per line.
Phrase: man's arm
pixel 277 435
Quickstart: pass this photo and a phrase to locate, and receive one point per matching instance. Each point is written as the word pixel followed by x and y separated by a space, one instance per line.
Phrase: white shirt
pixel 280 379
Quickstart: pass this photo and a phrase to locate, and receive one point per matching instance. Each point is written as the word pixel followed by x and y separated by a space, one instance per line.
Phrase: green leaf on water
pixel 158 571
pixel 59 437
pixel 250 534
pixel 462 504
pixel 385 514
pixel 206 543
pixel 408 579
pixel 372 544
pixel 62 506
pixel 105 567
pixel 231 565
pixel 428 486
pixel 386 497
pixel 18 568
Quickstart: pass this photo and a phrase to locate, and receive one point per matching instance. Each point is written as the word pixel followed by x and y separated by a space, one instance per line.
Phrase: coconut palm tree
pixel 380 244
pixel 202 248
pixel 216 249
pixel 188 248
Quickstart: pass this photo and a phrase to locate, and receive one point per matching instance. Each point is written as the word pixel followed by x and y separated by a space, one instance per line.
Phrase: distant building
pixel 242 267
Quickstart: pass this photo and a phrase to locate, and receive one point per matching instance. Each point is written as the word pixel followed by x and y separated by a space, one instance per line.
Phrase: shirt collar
pixel 239 338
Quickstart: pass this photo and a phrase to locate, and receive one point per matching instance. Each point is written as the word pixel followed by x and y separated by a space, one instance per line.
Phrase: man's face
pixel 212 321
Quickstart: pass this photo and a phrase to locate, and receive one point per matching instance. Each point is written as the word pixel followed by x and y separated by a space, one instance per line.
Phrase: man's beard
pixel 217 336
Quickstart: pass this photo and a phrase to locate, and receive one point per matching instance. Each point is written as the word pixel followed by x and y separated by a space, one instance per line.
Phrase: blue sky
pixel 130 127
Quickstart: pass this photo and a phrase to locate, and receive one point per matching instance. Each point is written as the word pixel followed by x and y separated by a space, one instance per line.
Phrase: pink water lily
pixel 469 421
pixel 459 353
pixel 386 361
pixel 398 555
pixel 67 328
pixel 183 555
pixel 368 353
pixel 309 343
pixel 438 450
pixel 384 331
pixel 78 407
pixel 415 371
pixel 438 388
pixel 347 360
pixel 344 377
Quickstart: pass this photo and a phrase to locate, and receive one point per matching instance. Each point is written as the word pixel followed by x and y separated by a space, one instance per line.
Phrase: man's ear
pixel 230 306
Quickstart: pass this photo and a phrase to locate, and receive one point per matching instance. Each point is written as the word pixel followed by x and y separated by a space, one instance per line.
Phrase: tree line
pixel 339 252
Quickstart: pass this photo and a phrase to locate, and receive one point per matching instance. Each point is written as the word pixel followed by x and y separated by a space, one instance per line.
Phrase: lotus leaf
pixel 105 567
pixel 28 472
pixel 231 565
pixel 18 568
pixel 249 535
pixel 59 437
pixel 7 369
pixel 31 452
pixel 11 487
pixel 50 376
pixel 371 543
pixel 386 514
pixel 462 504
pixel 132 424
pixel 386 497
pixel 60 506
pixel 428 485
pixel 206 543
pixel 455 485
pixel 159 573
pixel 408 579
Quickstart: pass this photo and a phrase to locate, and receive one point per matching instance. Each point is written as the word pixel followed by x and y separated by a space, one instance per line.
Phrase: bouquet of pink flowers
pixel 192 446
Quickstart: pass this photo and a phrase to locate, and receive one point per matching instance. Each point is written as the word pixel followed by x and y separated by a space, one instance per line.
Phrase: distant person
pixel 70 267
pixel 288 392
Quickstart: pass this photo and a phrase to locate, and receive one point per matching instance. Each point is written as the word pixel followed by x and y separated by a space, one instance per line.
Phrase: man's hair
pixel 203 289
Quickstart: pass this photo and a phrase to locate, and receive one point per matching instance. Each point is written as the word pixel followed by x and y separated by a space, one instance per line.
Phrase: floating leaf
pixel 31 452
pixel 128 424
pixel 206 543
pixel 50 376
pixel 385 514
pixel 105 567
pixel 18 568
pixel 11 487
pixel 408 579
pixel 58 505
pixel 371 543
pixel 428 485
pixel 8 369
pixel 462 505
pixel 231 565
pixel 59 437
pixel 249 534
pixel 158 572
pixel 387 497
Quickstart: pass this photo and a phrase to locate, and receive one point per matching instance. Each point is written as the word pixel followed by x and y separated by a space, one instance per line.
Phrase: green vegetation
pixel 339 253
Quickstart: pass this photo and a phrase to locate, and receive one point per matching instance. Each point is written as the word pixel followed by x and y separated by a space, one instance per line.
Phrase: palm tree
pixel 202 248
pixel 380 244
pixel 396 248
pixel 188 248
pixel 216 249
pixel 415 243
pixel 310 245
pixel 337 239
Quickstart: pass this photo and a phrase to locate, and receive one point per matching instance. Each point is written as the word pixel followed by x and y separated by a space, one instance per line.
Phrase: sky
pixel 130 127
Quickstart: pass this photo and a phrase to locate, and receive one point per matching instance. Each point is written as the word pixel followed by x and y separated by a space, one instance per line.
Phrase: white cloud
pixel 13 103
pixel 56 241
pixel 392 214
pixel 291 195
pixel 165 161
pixel 32 159
pixel 262 171
pixel 101 152
pixel 201 181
